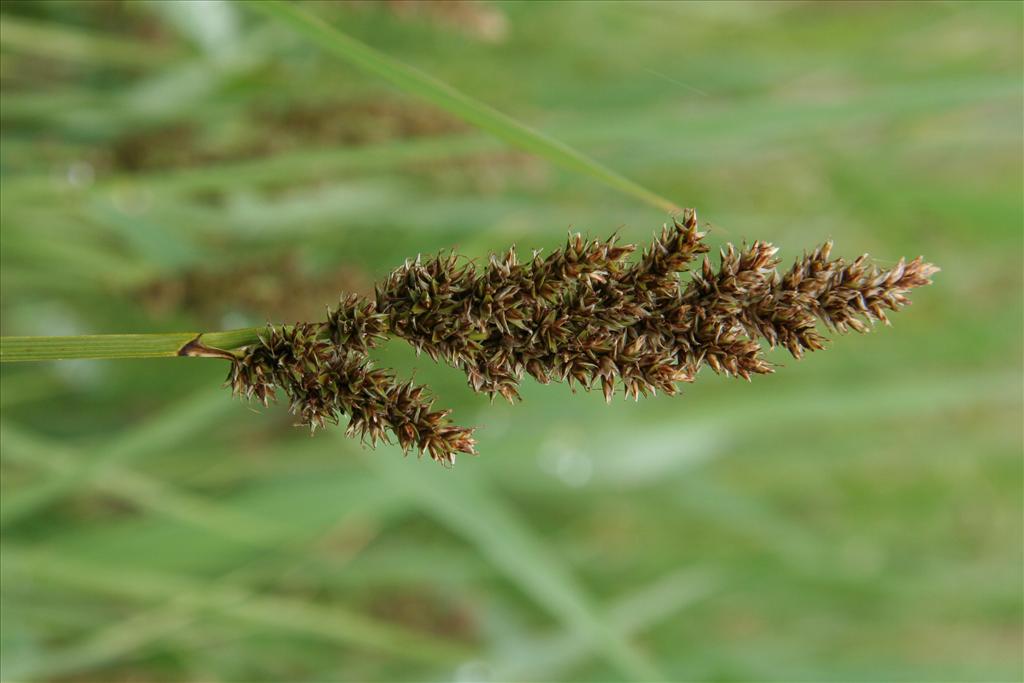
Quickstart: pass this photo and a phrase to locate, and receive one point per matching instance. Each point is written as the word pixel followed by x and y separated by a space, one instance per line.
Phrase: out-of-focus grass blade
pixel 745 515
pixel 178 423
pixel 26 388
pixel 723 135
pixel 351 503
pixel 180 90
pixel 122 639
pixel 333 623
pixel 154 545
pixel 212 26
pixel 730 135
pixel 327 500
pixel 415 82
pixel 624 461
pixel 134 488
pixel 552 657
pixel 61 41
pixel 302 165
pixel 173 425
pixel 315 164
pixel 465 506
pixel 75 260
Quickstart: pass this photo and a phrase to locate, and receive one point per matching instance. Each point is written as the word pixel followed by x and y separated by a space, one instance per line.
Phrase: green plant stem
pixel 439 93
pixel 172 344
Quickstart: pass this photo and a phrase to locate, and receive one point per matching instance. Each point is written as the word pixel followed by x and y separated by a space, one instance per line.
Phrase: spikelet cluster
pixel 586 314
pixel 325 380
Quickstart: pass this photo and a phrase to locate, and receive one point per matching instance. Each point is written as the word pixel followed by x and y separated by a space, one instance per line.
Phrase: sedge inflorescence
pixel 585 314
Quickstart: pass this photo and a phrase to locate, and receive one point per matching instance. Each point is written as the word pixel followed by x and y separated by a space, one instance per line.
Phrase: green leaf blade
pixel 483 116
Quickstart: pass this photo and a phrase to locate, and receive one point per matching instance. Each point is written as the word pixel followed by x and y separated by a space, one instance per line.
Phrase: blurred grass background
pixel 173 166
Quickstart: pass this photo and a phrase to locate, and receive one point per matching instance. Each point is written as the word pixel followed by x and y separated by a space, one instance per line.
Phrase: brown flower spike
pixel 584 314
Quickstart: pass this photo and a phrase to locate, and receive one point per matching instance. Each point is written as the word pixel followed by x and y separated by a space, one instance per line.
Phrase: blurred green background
pixel 171 166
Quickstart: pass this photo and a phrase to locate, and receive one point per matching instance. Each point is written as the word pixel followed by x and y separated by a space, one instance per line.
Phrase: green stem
pixel 194 344
pixel 423 85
